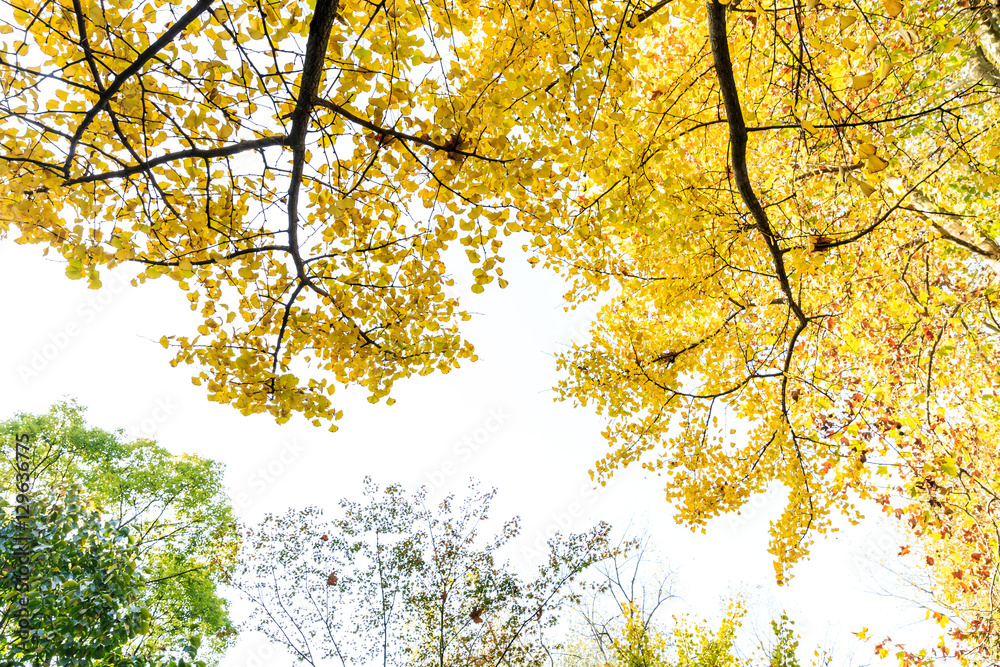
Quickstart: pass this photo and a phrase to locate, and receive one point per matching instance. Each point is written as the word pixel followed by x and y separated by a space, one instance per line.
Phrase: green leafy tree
pixel 783 651
pixel 175 505
pixel 83 595
pixel 84 604
pixel 395 582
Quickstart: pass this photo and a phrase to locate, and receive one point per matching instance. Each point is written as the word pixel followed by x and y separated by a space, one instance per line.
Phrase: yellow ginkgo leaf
pixel 847 20
pixel 865 187
pixel 808 127
pixel 866 149
pixel 893 7
pixel 861 81
pixel 870 46
pixel 874 164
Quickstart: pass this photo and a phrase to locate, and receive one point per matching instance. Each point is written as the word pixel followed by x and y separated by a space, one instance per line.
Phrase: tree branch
pixel 198 153
pixel 312 73
pixel 738 142
pixel 129 72
pixel 639 18
pixel 203 262
pixel 320 102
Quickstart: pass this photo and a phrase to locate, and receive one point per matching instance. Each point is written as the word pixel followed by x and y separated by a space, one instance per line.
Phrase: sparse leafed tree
pixel 621 623
pixel 617 621
pixel 699 645
pixel 394 581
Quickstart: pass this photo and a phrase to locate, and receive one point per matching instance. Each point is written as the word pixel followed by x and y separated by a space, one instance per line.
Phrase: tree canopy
pixel 83 601
pixel 300 171
pixel 799 235
pixel 788 204
pixel 183 532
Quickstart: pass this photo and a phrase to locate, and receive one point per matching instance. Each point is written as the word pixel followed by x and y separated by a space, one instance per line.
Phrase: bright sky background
pixel 61 339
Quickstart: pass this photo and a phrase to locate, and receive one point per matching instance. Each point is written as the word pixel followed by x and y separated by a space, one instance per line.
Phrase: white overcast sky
pixel 100 347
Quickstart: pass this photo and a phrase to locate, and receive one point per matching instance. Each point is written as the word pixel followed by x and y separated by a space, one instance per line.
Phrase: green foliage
pixel 176 506
pixel 786 643
pixel 83 597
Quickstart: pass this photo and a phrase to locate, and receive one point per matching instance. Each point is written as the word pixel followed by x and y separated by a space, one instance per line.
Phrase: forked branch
pixel 128 73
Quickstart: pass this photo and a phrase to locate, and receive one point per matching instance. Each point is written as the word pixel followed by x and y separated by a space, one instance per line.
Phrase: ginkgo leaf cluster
pixel 796 228
pixel 302 171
